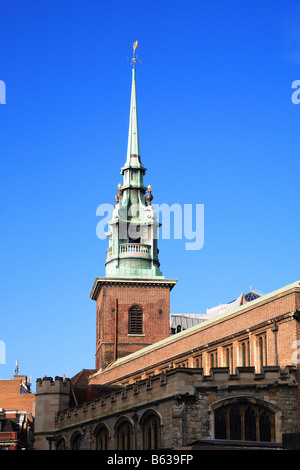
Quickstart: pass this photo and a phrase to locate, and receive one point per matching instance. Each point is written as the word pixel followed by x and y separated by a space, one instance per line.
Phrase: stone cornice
pixel 106 281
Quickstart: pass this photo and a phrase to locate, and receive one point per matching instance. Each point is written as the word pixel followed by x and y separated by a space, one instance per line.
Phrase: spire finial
pixel 149 196
pixel 119 194
pixel 133 147
pixel 134 58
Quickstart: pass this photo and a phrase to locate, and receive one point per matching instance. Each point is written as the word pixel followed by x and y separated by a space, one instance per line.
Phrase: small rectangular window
pixel 135 320
pixel 244 353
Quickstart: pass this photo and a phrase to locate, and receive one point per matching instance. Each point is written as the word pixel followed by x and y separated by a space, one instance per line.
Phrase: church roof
pixel 186 320
pixel 81 378
pixel 183 321
pixel 236 310
pixel 9 425
pixel 82 391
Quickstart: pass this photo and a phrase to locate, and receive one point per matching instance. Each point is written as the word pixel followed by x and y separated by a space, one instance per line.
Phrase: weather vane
pixel 135 59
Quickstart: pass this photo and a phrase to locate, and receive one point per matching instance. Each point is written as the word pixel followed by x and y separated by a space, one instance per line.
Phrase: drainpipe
pixel 115 311
pixel 135 420
pixel 104 324
pixel 116 331
pixel 275 330
pixel 184 425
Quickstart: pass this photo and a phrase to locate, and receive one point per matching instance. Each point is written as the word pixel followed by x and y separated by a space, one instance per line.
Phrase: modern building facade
pixel 17 410
pixel 231 379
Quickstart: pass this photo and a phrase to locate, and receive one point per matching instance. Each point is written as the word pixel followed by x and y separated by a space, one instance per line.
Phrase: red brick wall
pixel 249 320
pixel 12 399
pixel 156 325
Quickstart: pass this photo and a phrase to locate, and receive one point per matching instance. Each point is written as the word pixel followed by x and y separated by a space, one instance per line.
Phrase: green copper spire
pixel 132 251
pixel 133 147
pixel 133 159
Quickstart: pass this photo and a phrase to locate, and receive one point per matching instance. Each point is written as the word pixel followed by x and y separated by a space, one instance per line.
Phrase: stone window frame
pixel 60 443
pixel 212 358
pixel 198 361
pixel 245 352
pixel 75 440
pixel 124 434
pixel 228 357
pixel 151 421
pixel 261 348
pixel 100 429
pixel 242 402
pixel 135 325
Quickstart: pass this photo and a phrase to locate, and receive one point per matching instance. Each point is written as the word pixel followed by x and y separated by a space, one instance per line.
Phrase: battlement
pixel 248 375
pixel 48 385
pixel 175 383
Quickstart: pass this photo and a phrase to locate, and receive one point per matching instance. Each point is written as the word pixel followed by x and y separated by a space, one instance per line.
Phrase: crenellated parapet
pixel 269 375
pixel 175 395
pixel 51 395
pixel 179 384
pixel 50 385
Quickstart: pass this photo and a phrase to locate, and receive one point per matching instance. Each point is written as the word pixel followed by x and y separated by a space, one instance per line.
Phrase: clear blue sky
pixel 217 127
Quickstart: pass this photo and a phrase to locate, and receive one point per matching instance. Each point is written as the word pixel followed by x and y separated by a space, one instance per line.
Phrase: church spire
pixel 133 298
pixel 132 251
pixel 133 147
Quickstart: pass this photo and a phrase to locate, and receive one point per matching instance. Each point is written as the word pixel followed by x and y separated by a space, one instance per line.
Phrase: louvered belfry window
pixel 135 320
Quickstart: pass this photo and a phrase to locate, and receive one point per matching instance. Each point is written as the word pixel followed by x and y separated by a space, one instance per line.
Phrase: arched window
pixel 264 427
pixel 250 424
pixel 124 436
pixel 198 362
pixel 220 424
pixel 151 432
pixel 75 441
pixel 235 423
pixel 60 444
pixel 242 421
pixel 213 359
pixel 229 358
pixel 245 353
pixel 135 320
pixel 101 438
pixel 262 350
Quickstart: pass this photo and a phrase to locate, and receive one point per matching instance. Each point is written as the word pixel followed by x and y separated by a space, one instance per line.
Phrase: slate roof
pixel 9 425
pixel 81 390
pixel 183 321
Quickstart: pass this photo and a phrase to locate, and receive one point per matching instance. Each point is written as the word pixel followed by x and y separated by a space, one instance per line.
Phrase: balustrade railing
pixel 132 248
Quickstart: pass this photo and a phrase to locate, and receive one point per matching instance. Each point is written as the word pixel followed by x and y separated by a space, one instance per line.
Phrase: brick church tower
pixel 133 299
